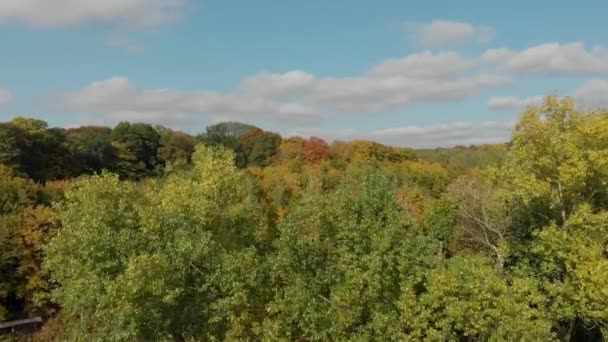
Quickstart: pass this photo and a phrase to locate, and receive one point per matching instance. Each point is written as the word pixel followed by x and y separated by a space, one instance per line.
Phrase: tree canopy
pixel 141 232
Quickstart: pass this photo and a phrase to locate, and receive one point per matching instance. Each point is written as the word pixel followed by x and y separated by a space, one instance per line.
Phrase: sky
pixel 408 73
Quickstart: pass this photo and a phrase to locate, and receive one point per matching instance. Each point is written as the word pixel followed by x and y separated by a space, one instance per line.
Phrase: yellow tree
pixel 555 178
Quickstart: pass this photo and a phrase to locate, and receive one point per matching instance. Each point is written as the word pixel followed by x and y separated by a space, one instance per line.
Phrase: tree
pixel 555 174
pixel 29 146
pixel 316 150
pixel 339 262
pixel 483 224
pixel 558 159
pixel 430 176
pixel 32 229
pixel 136 145
pixel 291 149
pixel 440 221
pixel 572 265
pixel 174 145
pixel 466 299
pixel 8 262
pixel 91 149
pixel 228 134
pixel 11 145
pixel 260 147
pixel 174 258
pixel 16 192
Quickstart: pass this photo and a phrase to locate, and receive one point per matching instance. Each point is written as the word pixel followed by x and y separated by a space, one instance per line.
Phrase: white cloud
pixel 511 102
pixel 125 43
pixel 119 99
pixel 69 13
pixel 425 65
pixel 446 32
pixel 5 97
pixel 551 59
pixel 373 94
pixel 294 96
pixel 593 94
pixel 447 134
pixel 392 84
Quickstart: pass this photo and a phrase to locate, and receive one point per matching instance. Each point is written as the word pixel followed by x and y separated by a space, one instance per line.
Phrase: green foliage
pixel 12 144
pixel 174 145
pixel 15 192
pixel 260 147
pixel 136 150
pixel 91 149
pixel 171 258
pixel 8 264
pixel 573 267
pixel 339 262
pixel 228 134
pixel 32 229
pixel 555 183
pixel 465 298
pixel 440 219
pixel 23 228
pixel 458 159
pixel 430 176
pixel 365 151
pixel 31 148
pixel 558 159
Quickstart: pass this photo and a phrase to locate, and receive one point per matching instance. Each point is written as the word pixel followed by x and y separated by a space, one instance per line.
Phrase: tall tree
pixel 29 146
pixel 170 259
pixel 137 146
pixel 340 262
pixel 228 134
pixel 91 149
pixel 555 174
pixel 174 145
pixel 260 147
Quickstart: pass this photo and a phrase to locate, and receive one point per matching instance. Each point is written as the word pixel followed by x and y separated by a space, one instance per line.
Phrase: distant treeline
pixel 138 150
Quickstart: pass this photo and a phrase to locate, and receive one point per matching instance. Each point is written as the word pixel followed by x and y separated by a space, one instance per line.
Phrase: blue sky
pixel 417 73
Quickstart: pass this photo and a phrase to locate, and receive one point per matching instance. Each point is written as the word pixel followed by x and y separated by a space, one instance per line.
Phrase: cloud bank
pixel 293 97
pixel 551 59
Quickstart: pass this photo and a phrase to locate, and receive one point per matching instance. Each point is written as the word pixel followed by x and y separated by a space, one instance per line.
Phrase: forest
pixel 144 233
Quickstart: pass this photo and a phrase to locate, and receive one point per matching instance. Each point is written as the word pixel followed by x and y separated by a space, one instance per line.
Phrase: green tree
pixel 29 146
pixel 339 262
pixel 12 143
pixel 16 193
pixel 174 145
pixel 228 134
pixel 466 299
pixel 173 258
pixel 136 145
pixel 91 149
pixel 260 147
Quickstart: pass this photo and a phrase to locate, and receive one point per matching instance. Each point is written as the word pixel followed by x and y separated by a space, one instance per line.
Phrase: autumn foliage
pixel 144 233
